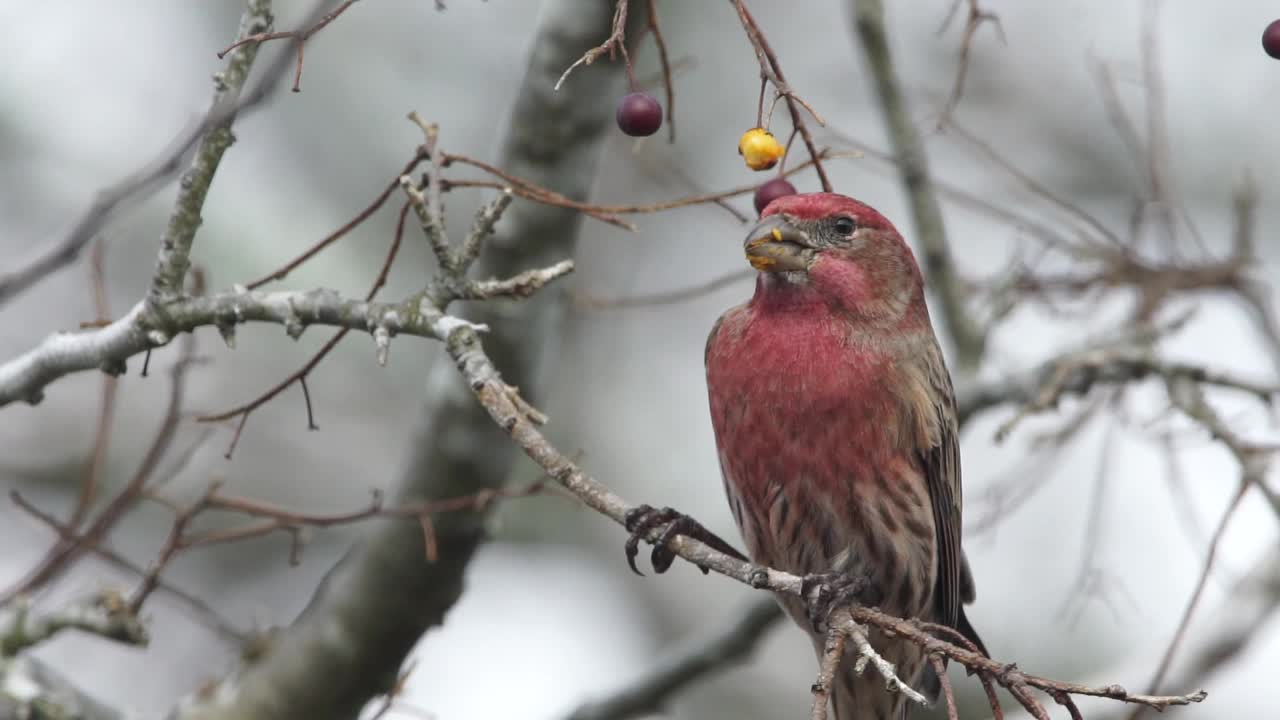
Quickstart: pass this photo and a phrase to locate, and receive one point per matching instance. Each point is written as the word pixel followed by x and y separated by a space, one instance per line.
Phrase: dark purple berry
pixel 772 190
pixel 1271 39
pixel 639 114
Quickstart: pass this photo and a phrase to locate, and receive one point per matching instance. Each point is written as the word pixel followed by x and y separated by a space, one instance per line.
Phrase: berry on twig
pixel 760 149
pixel 772 190
pixel 1271 39
pixel 639 114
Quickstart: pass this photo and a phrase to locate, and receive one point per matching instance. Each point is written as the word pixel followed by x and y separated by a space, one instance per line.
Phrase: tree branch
pixel 499 401
pixel 105 615
pixel 967 336
pixel 143 328
pixel 175 246
pixel 348 645
pixel 713 653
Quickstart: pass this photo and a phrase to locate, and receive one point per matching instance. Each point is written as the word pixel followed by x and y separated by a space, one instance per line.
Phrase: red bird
pixel 835 423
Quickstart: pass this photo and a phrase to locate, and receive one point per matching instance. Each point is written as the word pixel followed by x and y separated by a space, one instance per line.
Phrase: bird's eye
pixel 845 226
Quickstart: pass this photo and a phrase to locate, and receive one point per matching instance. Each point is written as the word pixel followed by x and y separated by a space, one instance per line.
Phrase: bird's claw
pixel 643 518
pixel 639 521
pixel 823 593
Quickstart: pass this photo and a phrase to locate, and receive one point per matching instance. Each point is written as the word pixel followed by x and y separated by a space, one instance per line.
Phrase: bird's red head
pixel 815 206
pixel 843 249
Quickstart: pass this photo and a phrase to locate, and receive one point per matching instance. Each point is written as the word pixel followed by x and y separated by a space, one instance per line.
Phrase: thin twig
pixel 770 69
pixel 300 375
pixel 110 388
pixel 202 609
pixel 283 271
pixel 591 302
pixel 615 40
pixel 299 37
pixel 828 668
pixel 665 61
pixel 976 17
pixel 68 551
pixel 174 258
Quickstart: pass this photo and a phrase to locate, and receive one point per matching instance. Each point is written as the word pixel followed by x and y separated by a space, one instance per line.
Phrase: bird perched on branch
pixel 835 423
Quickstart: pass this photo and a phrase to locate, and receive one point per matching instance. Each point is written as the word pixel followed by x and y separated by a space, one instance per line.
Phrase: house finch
pixel 835 423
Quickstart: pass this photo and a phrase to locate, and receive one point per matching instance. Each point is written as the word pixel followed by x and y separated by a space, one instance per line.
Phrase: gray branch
pixel 33 689
pixel 29 688
pixel 716 652
pixel 106 615
pixel 146 327
pixel 1078 373
pixel 175 247
pixel 968 337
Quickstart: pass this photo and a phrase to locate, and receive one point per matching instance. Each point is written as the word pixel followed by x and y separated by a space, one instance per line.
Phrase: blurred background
pixel 1085 552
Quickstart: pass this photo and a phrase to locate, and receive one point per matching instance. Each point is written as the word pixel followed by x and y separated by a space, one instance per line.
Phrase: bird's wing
pixel 734 316
pixel 940 460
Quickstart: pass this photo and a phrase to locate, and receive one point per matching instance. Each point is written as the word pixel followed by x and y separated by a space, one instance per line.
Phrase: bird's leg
pixel 823 593
pixel 643 518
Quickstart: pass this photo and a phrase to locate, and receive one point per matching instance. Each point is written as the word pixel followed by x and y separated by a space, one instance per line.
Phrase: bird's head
pixel 839 249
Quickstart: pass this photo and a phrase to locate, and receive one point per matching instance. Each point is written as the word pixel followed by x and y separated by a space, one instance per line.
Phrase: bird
pixel 835 425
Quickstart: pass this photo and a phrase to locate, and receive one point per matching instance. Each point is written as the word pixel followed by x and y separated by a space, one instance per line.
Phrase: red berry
pixel 639 114
pixel 1271 39
pixel 772 190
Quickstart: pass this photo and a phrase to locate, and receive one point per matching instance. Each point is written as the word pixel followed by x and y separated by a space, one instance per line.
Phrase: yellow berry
pixel 760 149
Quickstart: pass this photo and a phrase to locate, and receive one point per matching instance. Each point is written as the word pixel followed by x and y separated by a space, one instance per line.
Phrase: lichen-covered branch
pixel 175 246
pixel 32 689
pixel 142 328
pixel 105 615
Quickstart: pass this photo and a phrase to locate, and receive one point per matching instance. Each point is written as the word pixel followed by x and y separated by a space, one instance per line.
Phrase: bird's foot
pixel 824 593
pixel 644 518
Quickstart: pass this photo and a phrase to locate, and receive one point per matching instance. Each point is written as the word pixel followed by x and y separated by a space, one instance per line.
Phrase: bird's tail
pixel 930 683
pixel 966 629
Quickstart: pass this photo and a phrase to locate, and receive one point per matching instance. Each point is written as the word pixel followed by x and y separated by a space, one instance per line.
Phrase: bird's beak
pixel 776 245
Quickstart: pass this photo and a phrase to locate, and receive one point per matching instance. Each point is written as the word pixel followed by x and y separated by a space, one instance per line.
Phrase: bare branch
pixel 110 389
pixel 967 336
pixel 715 652
pixel 665 61
pixel 72 547
pixel 1254 462
pixel 299 37
pixel 975 19
pixel 1077 373
pixel 771 71
pixel 105 615
pixel 175 246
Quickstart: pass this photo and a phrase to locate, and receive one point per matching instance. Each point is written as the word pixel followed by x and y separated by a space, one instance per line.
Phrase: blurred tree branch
pixel 714 652
pixel 967 336
pixel 34 690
